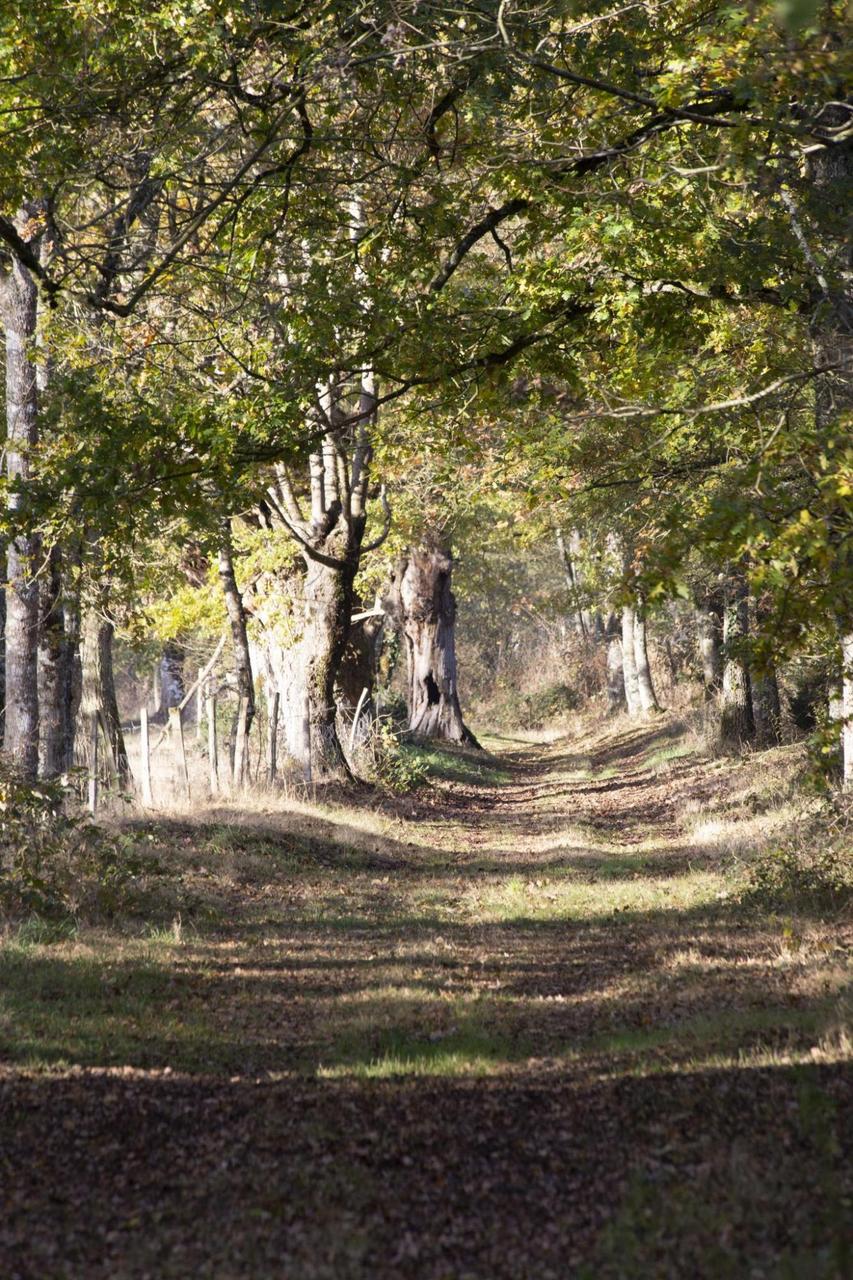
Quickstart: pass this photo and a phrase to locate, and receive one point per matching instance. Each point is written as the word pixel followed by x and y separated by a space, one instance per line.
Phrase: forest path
pixel 512 1025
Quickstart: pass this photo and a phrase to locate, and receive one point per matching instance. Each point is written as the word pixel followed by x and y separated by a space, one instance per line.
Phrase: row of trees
pixel 323 277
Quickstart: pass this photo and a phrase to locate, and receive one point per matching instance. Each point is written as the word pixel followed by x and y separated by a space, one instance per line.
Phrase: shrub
pixel 54 863
pixel 811 870
pixel 383 758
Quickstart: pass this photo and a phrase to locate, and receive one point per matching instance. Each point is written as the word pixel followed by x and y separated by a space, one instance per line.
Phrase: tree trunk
pixel 830 171
pixel 428 617
pixel 629 662
pixel 312 665
pixel 171 677
pixel 99 694
pixel 615 675
pixel 358 670
pixel 737 724
pixel 72 684
pixel 21 726
pixel 645 688
pixel 237 620
pixel 709 632
pixel 847 710
pixel 53 671
pixel 766 707
pixel 571 576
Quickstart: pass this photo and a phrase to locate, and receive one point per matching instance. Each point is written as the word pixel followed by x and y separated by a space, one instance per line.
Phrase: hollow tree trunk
pixel 99 694
pixel 737 723
pixel 615 675
pixel 428 616
pixel 21 726
pixel 237 622
pixel 645 687
pixel 629 662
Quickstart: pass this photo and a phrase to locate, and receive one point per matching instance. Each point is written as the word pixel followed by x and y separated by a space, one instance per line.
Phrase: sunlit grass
pixel 522 898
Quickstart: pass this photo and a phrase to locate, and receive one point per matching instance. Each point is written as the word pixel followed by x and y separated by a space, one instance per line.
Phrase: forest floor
pixel 524 1022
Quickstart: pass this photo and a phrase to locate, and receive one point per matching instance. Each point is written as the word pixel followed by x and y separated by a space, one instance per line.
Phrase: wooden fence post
pixel 176 733
pixel 241 743
pixel 212 752
pixel 145 758
pixel 272 737
pixel 93 763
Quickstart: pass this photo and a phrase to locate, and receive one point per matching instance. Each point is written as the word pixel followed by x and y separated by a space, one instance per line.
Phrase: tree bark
pixel 645 687
pixel 237 621
pixel 829 168
pixel 615 674
pixel 53 671
pixel 427 610
pixel 737 723
pixel 709 632
pixel 21 726
pixel 766 707
pixel 328 601
pixel 571 575
pixel 358 669
pixel 99 694
pixel 629 662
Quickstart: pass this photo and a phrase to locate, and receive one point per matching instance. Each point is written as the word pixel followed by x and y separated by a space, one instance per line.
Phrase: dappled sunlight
pixel 464 954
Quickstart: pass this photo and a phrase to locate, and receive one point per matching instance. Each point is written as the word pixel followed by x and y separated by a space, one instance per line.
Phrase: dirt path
pixel 514 1026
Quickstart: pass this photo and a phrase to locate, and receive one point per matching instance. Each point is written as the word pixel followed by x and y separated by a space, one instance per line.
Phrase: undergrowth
pixel 811 868
pixel 55 865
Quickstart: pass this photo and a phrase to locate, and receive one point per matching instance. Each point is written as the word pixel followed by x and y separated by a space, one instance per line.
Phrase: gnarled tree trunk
pixel 308 692
pixel 427 610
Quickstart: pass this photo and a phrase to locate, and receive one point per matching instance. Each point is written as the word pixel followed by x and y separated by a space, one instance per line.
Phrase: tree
pixel 426 609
